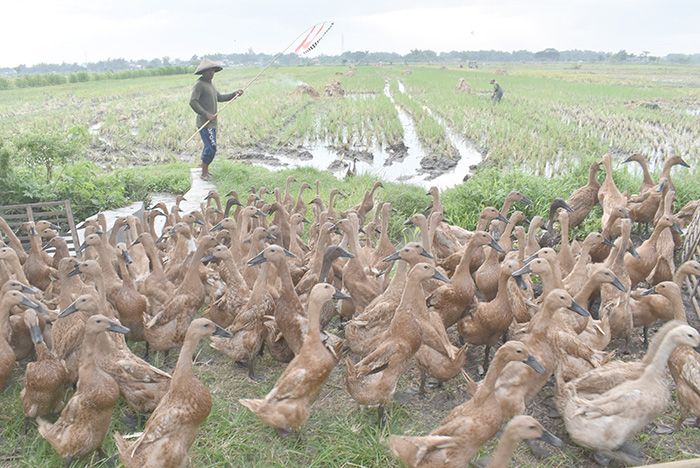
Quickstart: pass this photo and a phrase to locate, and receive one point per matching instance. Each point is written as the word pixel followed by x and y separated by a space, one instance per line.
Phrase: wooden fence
pixel 58 212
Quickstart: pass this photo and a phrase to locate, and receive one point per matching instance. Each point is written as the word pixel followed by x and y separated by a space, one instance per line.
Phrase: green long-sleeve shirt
pixel 203 101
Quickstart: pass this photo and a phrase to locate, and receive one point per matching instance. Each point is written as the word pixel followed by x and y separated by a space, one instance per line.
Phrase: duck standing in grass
pixel 173 426
pixel 372 381
pixel 604 422
pixel 44 380
pixel 84 421
pixel 287 406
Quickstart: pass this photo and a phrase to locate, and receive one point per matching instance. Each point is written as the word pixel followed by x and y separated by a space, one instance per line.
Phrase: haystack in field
pixel 306 89
pixel 463 86
pixel 407 72
pixel 334 89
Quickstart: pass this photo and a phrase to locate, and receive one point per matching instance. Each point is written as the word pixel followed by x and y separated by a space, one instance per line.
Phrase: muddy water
pixel 406 169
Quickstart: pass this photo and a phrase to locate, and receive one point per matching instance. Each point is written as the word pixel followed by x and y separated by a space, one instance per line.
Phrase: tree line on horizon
pixel 250 58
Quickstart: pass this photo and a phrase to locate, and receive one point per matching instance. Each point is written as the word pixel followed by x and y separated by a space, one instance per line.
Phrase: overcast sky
pixel 56 31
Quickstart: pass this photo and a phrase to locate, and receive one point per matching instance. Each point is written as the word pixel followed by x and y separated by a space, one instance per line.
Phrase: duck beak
pixel 216 228
pixel 439 276
pixel 207 258
pixel 136 241
pixel 55 226
pixel 127 258
pixel 526 200
pixel 408 222
pixel 567 207
pixel 197 221
pixel 675 227
pixel 68 310
pixel 117 328
pixel 632 251
pixel 260 213
pixel 393 257
pixel 32 231
pixel 289 254
pixel 258 259
pixel 26 302
pixel 536 366
pixel 340 295
pixel 76 270
pixel 551 439
pixel 523 271
pixel 608 242
pixel 344 253
pixel 531 258
pixel 425 253
pixel 661 186
pixel 526 221
pixel 496 234
pixel 649 291
pixel 46 247
pixel 683 163
pixel 618 284
pixel 270 237
pixel 520 282
pixel 222 332
pixel 578 309
pixel 24 289
pixel 306 221
pixel 35 333
pixel 494 245
pixel 82 247
pixel 502 218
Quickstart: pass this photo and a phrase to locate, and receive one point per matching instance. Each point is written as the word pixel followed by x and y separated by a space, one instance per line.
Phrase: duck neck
pixel 183 368
pixel 313 333
pixel 657 368
pixel 4 320
pixel 284 275
pixel 35 242
pixel 583 296
pixel 192 276
pixel 87 357
pixel 461 273
pixel 398 282
pixel 678 308
pixel 503 453
pixel 260 285
pixel 592 179
pixel 233 269
pixel 17 270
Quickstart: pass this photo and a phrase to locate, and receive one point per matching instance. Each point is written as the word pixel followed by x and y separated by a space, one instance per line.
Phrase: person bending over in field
pixel 203 102
pixel 497 92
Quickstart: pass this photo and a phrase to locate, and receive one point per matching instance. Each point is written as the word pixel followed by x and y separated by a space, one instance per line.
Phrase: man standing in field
pixel 497 92
pixel 203 102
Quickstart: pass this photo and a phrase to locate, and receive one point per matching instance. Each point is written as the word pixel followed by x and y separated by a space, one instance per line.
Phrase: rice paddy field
pixel 553 121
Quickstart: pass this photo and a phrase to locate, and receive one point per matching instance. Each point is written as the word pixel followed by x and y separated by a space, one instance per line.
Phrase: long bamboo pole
pixel 258 76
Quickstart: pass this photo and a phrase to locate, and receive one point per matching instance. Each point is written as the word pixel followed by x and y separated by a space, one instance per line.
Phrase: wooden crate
pixel 57 212
pixel 691 251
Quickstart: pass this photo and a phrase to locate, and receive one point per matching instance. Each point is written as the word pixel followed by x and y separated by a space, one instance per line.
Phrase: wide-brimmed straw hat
pixel 206 65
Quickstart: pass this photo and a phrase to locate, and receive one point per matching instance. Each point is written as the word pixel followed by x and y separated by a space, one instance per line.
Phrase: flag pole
pixel 311 46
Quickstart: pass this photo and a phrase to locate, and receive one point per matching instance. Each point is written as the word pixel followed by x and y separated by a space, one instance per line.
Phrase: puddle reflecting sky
pixel 405 170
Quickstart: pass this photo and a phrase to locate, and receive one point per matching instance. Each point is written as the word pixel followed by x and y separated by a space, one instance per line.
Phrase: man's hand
pixel 211 117
pixel 238 93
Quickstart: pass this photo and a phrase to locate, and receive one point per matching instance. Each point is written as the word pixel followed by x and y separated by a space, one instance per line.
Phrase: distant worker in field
pixel 203 102
pixel 497 92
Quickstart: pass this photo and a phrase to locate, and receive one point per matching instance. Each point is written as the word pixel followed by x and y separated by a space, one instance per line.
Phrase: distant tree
pixel 548 54
pixel 621 56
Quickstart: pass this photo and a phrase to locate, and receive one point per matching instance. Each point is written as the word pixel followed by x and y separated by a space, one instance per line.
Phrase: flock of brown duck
pixel 269 286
